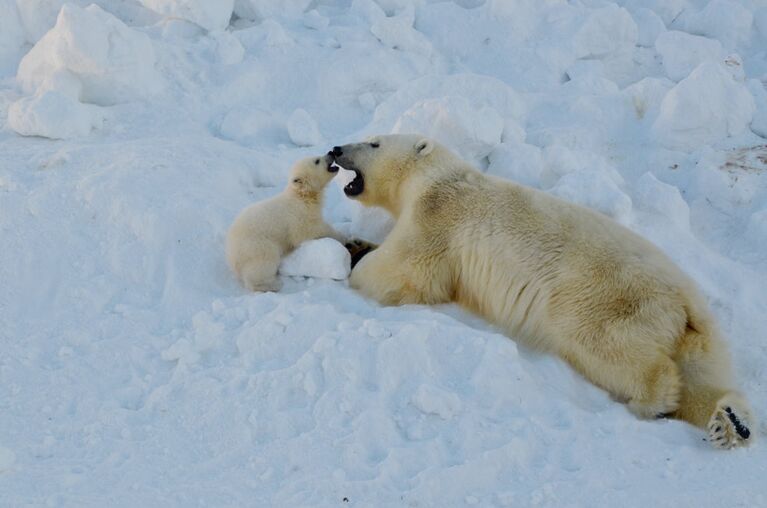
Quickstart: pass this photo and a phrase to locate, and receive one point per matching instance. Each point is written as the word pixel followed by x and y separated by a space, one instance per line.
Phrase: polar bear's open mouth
pixel 351 179
pixel 356 186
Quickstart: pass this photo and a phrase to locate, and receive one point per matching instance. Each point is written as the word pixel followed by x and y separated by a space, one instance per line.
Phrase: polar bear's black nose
pixel 337 151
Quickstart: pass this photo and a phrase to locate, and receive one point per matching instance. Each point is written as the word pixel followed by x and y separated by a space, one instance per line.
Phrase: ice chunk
pixel 726 20
pixel 303 130
pixel 663 199
pixel 470 131
pixel 607 30
pixel 397 32
pixel 114 62
pixel 264 9
pixel 703 108
pixel 667 10
pixel 682 52
pixel 209 14
pixel 596 190
pixel 324 258
pixel 54 115
pixel 38 16
pixel 11 36
pixel 650 26
pixel 759 122
pixel 517 161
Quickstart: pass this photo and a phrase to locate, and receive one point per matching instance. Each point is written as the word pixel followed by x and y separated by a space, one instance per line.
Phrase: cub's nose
pixel 337 151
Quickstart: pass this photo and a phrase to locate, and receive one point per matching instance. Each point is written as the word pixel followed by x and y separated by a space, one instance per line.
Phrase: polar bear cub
pixel 266 231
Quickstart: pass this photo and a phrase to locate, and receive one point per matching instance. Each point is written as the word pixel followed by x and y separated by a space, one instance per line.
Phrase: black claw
pixel 741 429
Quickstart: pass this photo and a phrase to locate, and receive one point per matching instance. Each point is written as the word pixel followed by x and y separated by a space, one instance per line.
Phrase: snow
pixel 706 106
pixel 12 36
pixel 470 131
pixel 303 130
pixel 682 53
pixel 323 258
pixel 209 14
pixel 727 20
pixel 54 115
pixel 113 62
pixel 135 370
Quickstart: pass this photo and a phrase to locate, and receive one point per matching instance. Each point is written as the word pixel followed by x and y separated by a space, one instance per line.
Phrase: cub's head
pixel 309 176
pixel 381 164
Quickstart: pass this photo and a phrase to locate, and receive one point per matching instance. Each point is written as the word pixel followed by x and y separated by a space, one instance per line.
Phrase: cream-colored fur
pixel 556 276
pixel 266 231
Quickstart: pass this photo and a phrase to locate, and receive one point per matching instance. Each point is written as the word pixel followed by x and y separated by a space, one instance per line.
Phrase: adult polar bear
pixel 556 276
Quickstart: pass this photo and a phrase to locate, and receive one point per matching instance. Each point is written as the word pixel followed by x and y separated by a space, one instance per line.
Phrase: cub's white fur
pixel 266 231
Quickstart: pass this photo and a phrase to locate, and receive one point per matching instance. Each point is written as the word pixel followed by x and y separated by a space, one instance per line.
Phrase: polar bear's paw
pixel 729 425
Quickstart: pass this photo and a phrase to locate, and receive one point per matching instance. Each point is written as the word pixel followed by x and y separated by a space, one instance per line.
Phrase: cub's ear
pixel 424 147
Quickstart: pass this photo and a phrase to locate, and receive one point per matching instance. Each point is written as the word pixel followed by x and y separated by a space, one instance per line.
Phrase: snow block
pixel 664 199
pixel 11 36
pixel 324 258
pixel 114 62
pixel 472 132
pixel 209 14
pixel 54 115
pixel 682 52
pixel 703 108
pixel 726 20
pixel 606 31
pixel 303 130
pixel 595 190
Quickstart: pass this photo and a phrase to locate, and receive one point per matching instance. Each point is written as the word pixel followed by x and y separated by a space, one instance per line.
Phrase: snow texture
pixel 323 258
pixel 707 105
pixel 209 14
pixel 136 371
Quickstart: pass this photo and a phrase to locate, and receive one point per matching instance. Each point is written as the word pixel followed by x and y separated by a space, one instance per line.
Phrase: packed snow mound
pixel 654 196
pixel 667 10
pixel 113 62
pixel 11 36
pixel 38 16
pixel 649 26
pixel 647 96
pixel 324 258
pixel 706 107
pixel 479 91
pixel 54 115
pixel 517 161
pixel 682 53
pixel 726 20
pixel 759 122
pixel 209 14
pixel 264 9
pixel 397 32
pixel 595 190
pixel 303 129
pixel 606 31
pixel 471 132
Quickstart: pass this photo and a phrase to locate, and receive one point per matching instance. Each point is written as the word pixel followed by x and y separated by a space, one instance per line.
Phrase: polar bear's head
pixel 383 163
pixel 309 176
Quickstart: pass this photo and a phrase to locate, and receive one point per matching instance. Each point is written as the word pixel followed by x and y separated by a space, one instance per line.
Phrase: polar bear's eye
pixel 375 144
pixel 316 161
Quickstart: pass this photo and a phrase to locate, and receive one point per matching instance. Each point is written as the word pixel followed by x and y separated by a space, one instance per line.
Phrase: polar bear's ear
pixel 424 147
